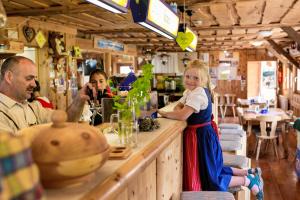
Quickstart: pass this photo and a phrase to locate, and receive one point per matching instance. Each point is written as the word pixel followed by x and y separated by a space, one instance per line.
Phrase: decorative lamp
pixel 164 58
pixel 155 15
pixel 115 6
pixel 257 43
pixel 148 54
pixel 185 60
pixel 265 33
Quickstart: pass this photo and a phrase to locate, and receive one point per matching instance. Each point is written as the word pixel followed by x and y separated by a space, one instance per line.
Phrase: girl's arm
pixel 180 114
pixel 178 106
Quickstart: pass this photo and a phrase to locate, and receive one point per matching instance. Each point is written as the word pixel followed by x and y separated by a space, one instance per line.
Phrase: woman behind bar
pixel 98 79
pixel 203 161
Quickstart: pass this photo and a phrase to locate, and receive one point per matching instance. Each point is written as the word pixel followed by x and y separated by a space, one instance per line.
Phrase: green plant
pixel 138 96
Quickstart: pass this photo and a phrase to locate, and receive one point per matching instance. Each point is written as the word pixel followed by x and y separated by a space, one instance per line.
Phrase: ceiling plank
pixel 51 10
pixel 250 12
pixel 274 12
pixel 279 50
pixel 220 11
pixel 292 33
pixel 293 16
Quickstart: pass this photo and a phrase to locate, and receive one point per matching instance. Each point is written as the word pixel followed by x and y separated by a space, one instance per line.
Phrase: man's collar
pixel 9 102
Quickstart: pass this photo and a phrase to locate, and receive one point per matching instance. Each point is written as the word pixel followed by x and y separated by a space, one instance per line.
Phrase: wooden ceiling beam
pixel 201 42
pixel 51 10
pixel 200 28
pixel 212 2
pixel 279 50
pixel 292 33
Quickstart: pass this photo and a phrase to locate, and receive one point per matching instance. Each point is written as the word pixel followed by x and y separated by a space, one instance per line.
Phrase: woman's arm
pixel 180 114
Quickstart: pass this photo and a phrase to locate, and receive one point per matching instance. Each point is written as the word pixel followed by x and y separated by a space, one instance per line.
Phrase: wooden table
pixel 250 117
pixel 153 170
pixel 247 103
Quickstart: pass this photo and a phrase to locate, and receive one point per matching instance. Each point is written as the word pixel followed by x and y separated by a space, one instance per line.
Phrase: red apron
pixel 191 176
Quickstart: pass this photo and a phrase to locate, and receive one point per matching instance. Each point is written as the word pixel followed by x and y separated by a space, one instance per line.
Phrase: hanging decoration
pixel 29 33
pixel 40 39
pixel 57 44
pixel 184 38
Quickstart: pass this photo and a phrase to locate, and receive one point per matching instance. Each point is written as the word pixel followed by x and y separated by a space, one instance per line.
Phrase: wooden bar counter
pixel 152 171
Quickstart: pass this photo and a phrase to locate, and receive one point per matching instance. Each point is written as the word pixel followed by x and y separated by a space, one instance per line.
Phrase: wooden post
pixel 108 64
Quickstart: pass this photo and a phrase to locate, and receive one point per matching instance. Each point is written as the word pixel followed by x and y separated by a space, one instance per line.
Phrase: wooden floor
pixel 280 180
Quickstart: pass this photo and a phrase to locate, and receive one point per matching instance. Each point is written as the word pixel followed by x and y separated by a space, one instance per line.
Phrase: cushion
pixel 207 195
pixel 230 137
pixel 236 161
pixel 237 132
pixel 230 126
pixel 230 145
pixel 19 176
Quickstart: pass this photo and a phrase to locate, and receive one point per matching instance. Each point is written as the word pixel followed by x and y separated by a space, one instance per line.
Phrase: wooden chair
pixel 230 100
pixel 221 104
pixel 268 126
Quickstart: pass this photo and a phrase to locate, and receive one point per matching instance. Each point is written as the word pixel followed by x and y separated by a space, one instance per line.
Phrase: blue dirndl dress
pixel 207 163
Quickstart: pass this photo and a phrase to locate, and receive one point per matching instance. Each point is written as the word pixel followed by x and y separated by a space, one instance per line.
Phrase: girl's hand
pixel 162 113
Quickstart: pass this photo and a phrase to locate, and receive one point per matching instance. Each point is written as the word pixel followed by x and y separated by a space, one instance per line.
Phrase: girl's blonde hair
pixel 203 72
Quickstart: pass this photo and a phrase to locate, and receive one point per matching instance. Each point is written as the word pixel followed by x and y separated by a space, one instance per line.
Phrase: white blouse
pixel 196 99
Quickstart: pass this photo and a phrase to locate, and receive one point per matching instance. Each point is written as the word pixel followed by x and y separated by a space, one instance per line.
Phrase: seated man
pixel 17 81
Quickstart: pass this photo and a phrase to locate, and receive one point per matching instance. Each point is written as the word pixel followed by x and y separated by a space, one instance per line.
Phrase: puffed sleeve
pixel 183 98
pixel 197 99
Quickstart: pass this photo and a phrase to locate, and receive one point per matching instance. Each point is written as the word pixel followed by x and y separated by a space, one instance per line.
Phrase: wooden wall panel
pixel 234 86
pixel 169 171
pixel 295 103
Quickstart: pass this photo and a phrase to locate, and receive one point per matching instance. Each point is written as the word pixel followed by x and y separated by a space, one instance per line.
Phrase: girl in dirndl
pixel 203 167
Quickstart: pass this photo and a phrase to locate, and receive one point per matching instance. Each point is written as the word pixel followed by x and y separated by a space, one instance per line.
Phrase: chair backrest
pixel 221 100
pixel 240 113
pixel 268 125
pixel 230 98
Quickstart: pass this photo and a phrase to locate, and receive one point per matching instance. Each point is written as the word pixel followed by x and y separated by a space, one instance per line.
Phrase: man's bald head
pixel 11 64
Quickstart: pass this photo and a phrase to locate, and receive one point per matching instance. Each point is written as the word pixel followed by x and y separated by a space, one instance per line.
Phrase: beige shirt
pixel 15 116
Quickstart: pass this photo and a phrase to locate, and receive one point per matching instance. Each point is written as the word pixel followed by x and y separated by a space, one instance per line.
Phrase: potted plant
pixel 129 109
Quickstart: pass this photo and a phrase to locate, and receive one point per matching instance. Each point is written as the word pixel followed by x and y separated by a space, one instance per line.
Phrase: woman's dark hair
pixel 38 87
pixel 98 71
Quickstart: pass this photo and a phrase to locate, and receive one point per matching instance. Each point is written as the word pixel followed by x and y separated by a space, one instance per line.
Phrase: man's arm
pixel 75 109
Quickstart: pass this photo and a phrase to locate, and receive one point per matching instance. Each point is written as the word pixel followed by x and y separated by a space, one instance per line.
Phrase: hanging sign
pixel 40 39
pixel 193 44
pixel 155 15
pixel 108 44
pixel 184 39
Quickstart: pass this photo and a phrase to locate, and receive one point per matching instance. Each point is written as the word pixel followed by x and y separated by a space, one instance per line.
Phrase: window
pixel 125 69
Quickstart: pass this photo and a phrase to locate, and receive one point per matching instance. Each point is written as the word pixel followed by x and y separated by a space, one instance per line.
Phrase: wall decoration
pixel 108 44
pixel 40 39
pixel 184 39
pixel 76 52
pixel 29 33
pixel 57 44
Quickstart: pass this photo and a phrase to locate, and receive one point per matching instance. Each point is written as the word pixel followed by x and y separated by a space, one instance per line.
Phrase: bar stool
pixel 230 102
pixel 221 104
